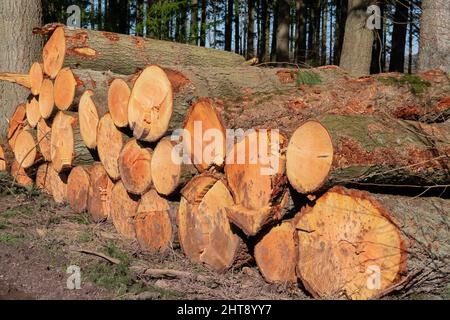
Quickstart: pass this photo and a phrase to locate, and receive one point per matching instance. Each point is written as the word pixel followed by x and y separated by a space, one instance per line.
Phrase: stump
pixel 100 188
pixel 78 189
pixel 123 210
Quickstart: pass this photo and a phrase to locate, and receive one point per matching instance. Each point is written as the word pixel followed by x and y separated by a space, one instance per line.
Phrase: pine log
pixel 357 245
pixel 23 80
pixel 46 99
pixel 2 159
pixel 151 104
pixel 67 147
pixel 100 188
pixel 36 77
pixel 254 169
pixel 44 134
pixel 205 139
pixel 78 189
pixel 364 149
pixel 123 210
pixel 42 178
pixel 153 225
pixel 20 175
pixel 58 184
pixel 16 123
pixel 32 111
pixel 205 234
pixel 118 97
pixel 124 54
pixel 276 253
pixel 135 167
pixel 25 148
pixel 168 174
pixel 110 142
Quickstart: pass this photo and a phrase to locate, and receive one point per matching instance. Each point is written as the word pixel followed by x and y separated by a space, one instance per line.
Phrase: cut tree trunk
pixel 205 136
pixel 168 172
pixel 135 167
pixel 204 231
pixel 36 77
pixel 58 184
pixel 276 254
pixel 25 148
pixel 32 111
pixel 110 142
pixel 78 189
pixel 154 230
pixel 364 149
pixel 124 54
pixel 100 188
pixel 255 169
pixel 123 210
pixel 46 99
pixel 151 104
pixel 20 175
pixel 358 245
pixel 16 123
pixel 42 178
pixel 44 135
pixel 118 97
pixel 67 147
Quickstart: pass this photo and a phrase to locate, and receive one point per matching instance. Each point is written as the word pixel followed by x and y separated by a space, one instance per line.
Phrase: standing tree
pixel 397 62
pixel 434 49
pixel 140 18
pixel 203 24
pixel 378 63
pixel 357 48
pixel 283 31
pixel 251 30
pixel 237 38
pixel 193 31
pixel 18 49
pixel 229 25
pixel 300 52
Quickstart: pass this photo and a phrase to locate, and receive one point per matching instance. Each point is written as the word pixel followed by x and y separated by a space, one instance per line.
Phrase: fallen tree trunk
pixel 345 149
pixel 358 245
pixel 78 189
pixel 67 147
pixel 124 54
pixel 100 188
pixel 123 210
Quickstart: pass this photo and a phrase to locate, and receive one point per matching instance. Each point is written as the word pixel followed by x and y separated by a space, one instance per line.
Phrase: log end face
pixel 78 189
pixel 64 89
pixel 54 52
pixel 118 97
pixel 89 119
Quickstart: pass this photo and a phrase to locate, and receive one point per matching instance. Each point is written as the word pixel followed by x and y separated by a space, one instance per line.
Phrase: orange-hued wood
pixel 100 187
pixel 123 210
pixel 154 229
pixel 64 89
pixel 2 159
pixel 16 124
pixel 46 99
pixel 276 254
pixel 33 112
pixel 118 96
pixel 44 135
pixel 202 117
pixel 91 109
pixel 42 178
pixel 204 231
pixel 54 52
pixel 135 167
pixel 20 175
pixel 58 184
pixel 36 77
pixel 25 148
pixel 78 189
pixel 151 104
pixel 258 188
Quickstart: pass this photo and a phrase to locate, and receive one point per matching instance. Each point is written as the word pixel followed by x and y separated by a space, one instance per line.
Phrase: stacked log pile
pixel 95 133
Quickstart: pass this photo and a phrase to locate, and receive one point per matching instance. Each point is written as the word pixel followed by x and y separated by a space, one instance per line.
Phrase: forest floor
pixel 39 240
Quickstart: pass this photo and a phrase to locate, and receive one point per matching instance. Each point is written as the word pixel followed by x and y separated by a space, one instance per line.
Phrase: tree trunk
pixel 18 49
pixel 341 19
pixel 100 196
pixel 434 35
pixel 237 30
pixel 265 22
pixel 251 30
pixel 357 48
pixel 78 189
pixel 273 50
pixel 123 211
pixel 139 18
pixel 229 25
pixel 193 30
pixel 203 24
pixel 283 31
pixel 357 245
pixel 363 149
pixel 397 63
pixel 377 64
pixel 43 134
pixel 300 53
pixel 323 49
pixel 124 54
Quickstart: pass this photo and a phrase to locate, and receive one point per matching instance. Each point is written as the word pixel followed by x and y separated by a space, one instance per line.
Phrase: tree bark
pixel 229 25
pixel 397 63
pixel 18 49
pixel 251 30
pixel 193 30
pixel 283 31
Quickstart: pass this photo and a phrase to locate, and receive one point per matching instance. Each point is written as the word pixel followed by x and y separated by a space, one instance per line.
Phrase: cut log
pixel 135 167
pixel 151 103
pixel 16 124
pixel 153 225
pixel 2 159
pixel 99 199
pixel 44 135
pixel 65 89
pixel 168 174
pixel 118 96
pixel 21 79
pixel 254 169
pixel 25 148
pixel 78 189
pixel 345 149
pixel 123 53
pixel 204 231
pixel 205 138
pixel 54 52
pixel 58 184
pixel 33 113
pixel 276 254
pixel 67 147
pixel 36 78
pixel 110 142
pixel 20 175
pixel 46 99
pixel 42 178
pixel 123 210
pixel 358 245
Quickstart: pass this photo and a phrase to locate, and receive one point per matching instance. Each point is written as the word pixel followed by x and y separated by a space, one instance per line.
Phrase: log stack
pixel 100 142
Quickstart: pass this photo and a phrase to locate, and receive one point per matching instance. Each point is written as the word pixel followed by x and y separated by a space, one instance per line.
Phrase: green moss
pixel 308 77
pixel 415 83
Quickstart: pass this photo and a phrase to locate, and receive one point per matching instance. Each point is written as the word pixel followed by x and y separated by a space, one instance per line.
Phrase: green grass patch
pixel 308 77
pixel 417 85
pixel 81 218
pixel 9 239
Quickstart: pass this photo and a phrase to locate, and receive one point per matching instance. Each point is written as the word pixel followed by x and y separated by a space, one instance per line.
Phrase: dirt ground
pixel 39 240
